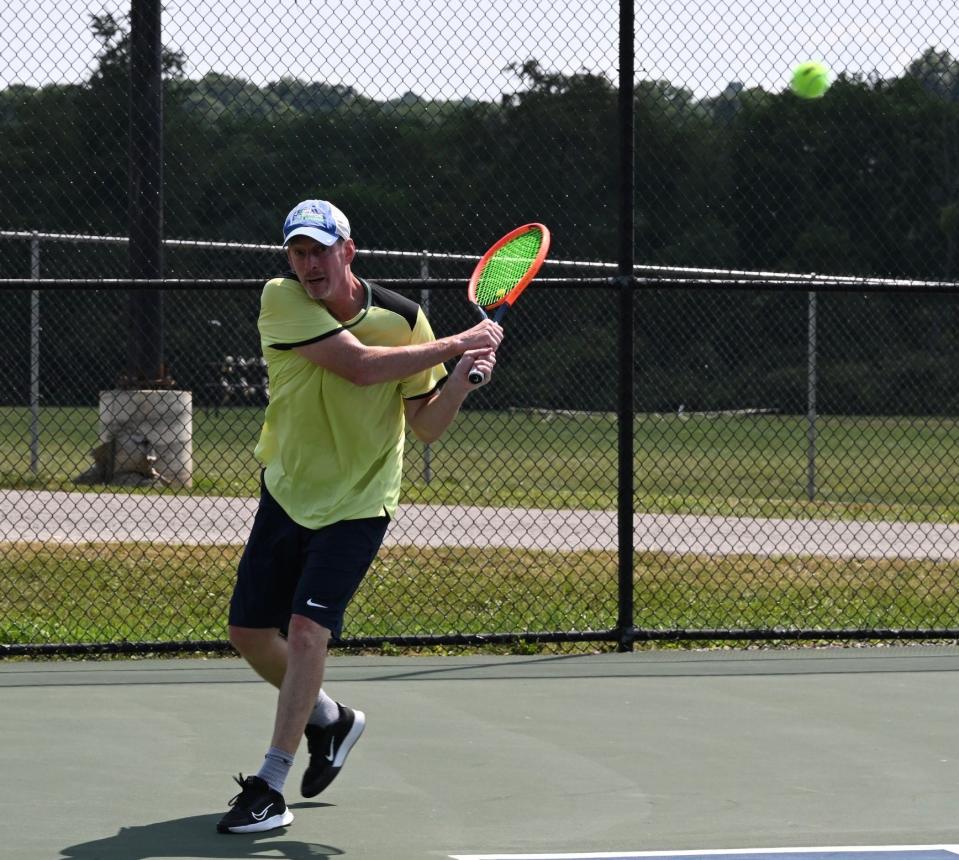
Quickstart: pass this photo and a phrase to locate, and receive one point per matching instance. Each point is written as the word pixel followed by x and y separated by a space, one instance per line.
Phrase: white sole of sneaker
pixel 281 820
pixel 352 736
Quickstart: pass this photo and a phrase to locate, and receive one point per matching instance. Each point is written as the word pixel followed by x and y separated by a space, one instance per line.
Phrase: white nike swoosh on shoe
pixel 259 816
pixel 280 820
pixel 359 721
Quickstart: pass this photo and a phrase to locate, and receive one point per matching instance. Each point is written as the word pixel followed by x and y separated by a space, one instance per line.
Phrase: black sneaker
pixel 257 807
pixel 329 747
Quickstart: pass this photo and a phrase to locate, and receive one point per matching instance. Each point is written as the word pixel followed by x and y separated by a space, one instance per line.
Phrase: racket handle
pixel 476 377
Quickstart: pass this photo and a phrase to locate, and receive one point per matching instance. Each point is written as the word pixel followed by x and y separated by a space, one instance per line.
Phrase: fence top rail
pixel 424 254
pixel 252 283
pixel 824 285
pixel 645 274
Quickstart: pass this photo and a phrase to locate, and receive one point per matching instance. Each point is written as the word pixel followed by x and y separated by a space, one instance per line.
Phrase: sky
pixel 460 49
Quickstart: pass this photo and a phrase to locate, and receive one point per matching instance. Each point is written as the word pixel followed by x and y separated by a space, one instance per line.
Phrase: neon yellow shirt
pixel 334 450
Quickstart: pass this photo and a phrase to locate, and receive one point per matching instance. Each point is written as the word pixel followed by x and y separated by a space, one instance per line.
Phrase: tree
pixel 113 58
pixel 937 73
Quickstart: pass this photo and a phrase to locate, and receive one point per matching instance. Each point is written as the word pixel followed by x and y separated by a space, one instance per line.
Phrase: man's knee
pixel 250 640
pixel 306 635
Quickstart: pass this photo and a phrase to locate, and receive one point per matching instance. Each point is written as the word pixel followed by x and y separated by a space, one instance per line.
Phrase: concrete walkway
pixel 69 518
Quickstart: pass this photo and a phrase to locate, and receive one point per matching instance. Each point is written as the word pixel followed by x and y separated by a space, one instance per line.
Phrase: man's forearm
pixel 372 365
pixel 378 364
pixel 347 356
pixel 434 417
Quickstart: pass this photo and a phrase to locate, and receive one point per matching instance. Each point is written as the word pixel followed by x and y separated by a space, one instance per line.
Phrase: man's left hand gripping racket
pixel 504 271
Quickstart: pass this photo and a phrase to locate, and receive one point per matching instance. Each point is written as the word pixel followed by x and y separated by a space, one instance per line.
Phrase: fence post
pixel 625 280
pixel 425 304
pixel 811 384
pixel 145 367
pixel 35 357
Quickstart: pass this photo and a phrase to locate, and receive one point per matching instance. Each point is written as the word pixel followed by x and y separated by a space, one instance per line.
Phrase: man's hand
pixel 483 360
pixel 484 335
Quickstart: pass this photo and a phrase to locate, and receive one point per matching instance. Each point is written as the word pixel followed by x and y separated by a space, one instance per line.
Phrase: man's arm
pixel 429 417
pixel 344 355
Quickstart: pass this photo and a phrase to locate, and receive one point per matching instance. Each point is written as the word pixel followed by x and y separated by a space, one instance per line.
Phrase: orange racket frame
pixel 534 268
pixel 504 304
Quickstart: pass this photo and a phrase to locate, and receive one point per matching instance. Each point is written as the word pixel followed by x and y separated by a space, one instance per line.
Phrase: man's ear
pixel 349 250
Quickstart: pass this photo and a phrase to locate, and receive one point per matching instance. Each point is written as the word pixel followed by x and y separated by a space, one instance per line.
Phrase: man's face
pixel 323 270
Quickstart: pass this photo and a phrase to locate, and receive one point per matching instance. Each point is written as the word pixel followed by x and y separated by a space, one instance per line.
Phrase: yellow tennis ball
pixel 810 80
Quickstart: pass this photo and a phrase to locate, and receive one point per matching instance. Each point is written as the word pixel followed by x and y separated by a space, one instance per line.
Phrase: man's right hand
pixel 484 335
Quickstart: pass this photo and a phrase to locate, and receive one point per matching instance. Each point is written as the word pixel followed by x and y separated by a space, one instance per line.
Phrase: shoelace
pixel 241 781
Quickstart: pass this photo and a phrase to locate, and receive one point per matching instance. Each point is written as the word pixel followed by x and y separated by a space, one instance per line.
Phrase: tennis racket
pixel 504 271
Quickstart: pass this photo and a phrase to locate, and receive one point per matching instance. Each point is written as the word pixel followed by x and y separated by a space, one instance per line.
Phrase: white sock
pixel 276 768
pixel 325 711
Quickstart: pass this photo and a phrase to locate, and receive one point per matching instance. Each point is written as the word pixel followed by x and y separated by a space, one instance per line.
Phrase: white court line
pixel 630 855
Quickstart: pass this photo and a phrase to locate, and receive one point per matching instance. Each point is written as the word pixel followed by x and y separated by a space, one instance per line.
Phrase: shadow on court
pixel 196 837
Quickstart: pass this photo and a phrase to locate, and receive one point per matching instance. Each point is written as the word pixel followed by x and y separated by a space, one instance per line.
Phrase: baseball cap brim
pixel 320 236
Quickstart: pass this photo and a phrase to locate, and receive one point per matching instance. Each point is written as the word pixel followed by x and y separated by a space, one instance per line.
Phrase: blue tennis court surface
pixel 889 852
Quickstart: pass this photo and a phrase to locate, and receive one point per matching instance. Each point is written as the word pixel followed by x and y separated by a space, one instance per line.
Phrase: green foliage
pixel 863 181
pixel 937 73
pixel 113 59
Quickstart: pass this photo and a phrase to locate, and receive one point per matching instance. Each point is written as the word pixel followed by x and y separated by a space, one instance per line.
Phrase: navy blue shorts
pixel 288 569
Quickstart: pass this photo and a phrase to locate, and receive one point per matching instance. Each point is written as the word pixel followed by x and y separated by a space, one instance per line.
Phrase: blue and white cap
pixel 317 219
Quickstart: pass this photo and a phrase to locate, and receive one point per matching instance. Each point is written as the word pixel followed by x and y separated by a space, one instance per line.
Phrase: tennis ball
pixel 810 80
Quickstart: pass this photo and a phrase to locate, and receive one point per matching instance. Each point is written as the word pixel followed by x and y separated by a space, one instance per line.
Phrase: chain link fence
pixel 793 445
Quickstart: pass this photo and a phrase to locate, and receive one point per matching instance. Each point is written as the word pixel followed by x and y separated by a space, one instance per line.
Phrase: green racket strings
pixel 507 267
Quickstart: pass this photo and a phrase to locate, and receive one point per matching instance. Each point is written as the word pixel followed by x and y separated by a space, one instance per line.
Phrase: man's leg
pixel 337 559
pixel 335 562
pixel 295 665
pixel 264 649
pixel 306 649
pixel 266 582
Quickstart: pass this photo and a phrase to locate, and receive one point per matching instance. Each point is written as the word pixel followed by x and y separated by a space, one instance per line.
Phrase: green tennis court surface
pixel 612 755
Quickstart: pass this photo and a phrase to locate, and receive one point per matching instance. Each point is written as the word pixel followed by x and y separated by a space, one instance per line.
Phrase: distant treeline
pixel 864 181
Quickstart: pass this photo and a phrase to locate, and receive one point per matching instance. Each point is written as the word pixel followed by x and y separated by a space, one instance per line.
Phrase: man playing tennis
pixel 350 363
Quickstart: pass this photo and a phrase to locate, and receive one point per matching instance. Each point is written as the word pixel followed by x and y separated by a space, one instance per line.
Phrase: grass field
pixel 125 592
pixel 876 468
pixel 890 468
